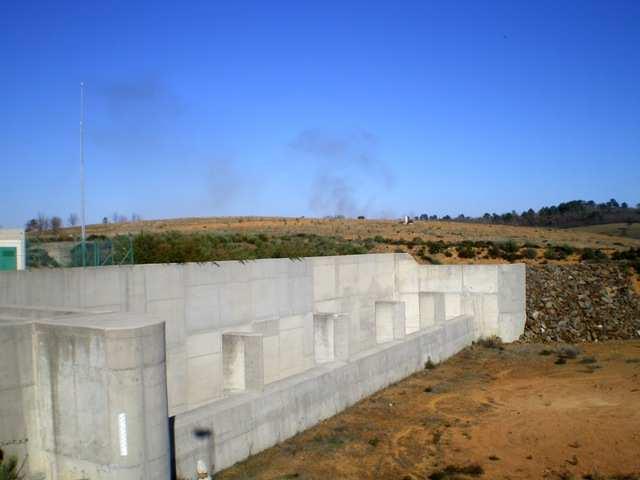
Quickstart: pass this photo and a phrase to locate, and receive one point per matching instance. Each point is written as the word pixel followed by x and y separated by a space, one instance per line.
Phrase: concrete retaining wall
pixel 237 333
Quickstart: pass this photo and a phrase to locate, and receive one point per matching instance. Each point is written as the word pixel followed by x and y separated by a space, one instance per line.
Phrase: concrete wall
pixel 81 401
pixel 236 331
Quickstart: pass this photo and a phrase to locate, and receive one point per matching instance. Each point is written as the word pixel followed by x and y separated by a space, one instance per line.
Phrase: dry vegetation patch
pixel 486 413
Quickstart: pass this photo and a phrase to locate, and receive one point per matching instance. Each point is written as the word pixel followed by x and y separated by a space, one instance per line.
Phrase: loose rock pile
pixel 580 303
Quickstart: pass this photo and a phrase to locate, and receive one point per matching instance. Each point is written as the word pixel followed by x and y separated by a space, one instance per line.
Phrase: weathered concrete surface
pixel 235 331
pixel 67 380
pixel 244 424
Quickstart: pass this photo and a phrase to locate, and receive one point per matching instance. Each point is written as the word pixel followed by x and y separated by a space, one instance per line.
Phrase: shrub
pixel 530 253
pixel 429 365
pixel 9 469
pixel 494 342
pixel 507 250
pixel 555 253
pixel 509 246
pixel 593 255
pixel 454 471
pixel 436 247
pixel 466 251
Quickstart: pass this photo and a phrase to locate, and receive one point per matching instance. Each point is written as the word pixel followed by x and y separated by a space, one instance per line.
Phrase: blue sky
pixel 315 108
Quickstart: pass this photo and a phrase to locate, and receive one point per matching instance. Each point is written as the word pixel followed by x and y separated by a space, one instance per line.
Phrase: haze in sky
pixel 318 108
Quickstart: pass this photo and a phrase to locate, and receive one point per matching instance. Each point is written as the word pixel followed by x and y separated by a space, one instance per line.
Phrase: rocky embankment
pixel 581 303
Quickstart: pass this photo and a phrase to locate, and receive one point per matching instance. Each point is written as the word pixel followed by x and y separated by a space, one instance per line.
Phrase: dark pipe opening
pixel 172 449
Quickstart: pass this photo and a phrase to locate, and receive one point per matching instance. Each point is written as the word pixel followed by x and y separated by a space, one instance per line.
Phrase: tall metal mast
pixel 82 206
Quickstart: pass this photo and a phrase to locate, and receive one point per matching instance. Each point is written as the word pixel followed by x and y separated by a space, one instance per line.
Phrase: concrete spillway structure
pixel 140 371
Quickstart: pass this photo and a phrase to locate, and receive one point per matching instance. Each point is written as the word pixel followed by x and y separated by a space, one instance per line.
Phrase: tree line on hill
pixel 575 213
pixel 43 223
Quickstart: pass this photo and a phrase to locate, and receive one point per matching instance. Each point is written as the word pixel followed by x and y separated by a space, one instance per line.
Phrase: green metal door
pixel 8 258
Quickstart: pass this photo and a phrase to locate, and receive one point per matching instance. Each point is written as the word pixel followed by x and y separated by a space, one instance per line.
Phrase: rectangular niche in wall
pixel 432 309
pixel 390 321
pixel 242 361
pixel 331 337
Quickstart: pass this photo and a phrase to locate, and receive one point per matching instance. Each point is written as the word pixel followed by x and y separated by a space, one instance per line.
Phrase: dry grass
pixel 360 229
pixel 628 230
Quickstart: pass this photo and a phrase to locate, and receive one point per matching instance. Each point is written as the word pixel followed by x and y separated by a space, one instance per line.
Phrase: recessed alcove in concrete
pixel 242 361
pixel 390 321
pixel 432 309
pixel 331 337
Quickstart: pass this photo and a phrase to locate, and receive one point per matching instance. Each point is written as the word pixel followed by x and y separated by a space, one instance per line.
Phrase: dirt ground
pixel 507 412
pixel 354 229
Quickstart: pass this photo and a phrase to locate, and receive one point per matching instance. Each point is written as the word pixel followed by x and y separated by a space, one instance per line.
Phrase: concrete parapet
pixel 253 352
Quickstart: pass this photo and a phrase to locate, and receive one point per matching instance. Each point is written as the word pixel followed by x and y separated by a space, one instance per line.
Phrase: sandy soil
pixel 512 412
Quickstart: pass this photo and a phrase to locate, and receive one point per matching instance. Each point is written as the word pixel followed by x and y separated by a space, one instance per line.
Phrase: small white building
pixel 12 249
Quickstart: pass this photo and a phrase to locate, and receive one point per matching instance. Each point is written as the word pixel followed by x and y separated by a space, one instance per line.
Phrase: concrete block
pixel 271 352
pixel 490 315
pixel 171 312
pixel 441 278
pixel 201 307
pixel 294 321
pixel 347 278
pixel 205 274
pixel 133 289
pixel 265 295
pixel 452 305
pixel 300 293
pixel 204 344
pixel 204 378
pixel 407 275
pixel 324 282
pixel 480 278
pixel 390 321
pixel 511 326
pixel 412 311
pixel 432 309
pixel 291 352
pixel 236 306
pixel 512 279
pixel 324 337
pixel 164 282
pixel 177 379
pixel 123 350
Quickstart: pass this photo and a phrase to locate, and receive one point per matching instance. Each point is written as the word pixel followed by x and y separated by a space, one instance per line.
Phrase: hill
pixel 626 230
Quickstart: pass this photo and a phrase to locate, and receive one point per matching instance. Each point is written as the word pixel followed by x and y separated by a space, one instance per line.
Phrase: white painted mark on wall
pixel 122 434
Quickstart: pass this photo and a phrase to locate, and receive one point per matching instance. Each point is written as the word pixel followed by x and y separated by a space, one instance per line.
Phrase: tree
pixel 73 219
pixel 624 205
pixel 32 225
pixel 43 222
pixel 117 218
pixel 136 217
pixel 105 220
pixel 56 223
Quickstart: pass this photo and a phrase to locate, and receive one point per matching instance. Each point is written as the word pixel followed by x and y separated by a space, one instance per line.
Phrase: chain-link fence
pixel 95 252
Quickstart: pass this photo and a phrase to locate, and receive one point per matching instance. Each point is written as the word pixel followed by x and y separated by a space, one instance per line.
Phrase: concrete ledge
pixel 245 424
